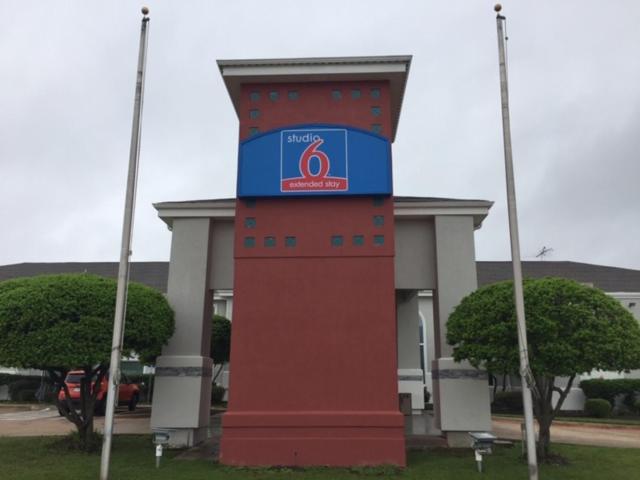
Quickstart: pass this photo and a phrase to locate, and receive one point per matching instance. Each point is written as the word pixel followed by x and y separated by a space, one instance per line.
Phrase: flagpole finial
pixel 145 11
pixel 497 7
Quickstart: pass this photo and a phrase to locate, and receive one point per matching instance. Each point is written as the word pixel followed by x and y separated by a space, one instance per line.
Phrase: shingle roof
pixel 609 279
pixel 154 274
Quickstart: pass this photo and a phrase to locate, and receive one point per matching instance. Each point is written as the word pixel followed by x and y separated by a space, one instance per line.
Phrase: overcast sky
pixel 67 72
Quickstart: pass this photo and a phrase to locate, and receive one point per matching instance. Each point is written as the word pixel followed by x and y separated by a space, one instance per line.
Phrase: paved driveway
pixel 21 422
pixel 16 422
pixel 601 435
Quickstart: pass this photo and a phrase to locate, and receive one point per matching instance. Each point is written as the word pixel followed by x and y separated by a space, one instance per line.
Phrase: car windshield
pixel 77 378
pixel 74 378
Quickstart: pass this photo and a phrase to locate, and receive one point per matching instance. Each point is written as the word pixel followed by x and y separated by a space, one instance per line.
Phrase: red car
pixel 128 392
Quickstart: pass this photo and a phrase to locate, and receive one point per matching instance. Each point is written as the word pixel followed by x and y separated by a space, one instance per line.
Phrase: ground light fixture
pixel 481 442
pixel 160 439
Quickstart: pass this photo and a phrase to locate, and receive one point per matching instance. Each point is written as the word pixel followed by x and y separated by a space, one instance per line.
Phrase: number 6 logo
pixel 305 161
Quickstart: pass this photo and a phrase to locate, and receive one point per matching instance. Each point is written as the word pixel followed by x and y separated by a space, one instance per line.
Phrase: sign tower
pixel 313 377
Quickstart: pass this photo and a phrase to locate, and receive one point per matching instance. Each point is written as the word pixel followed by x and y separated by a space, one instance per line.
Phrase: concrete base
pixel 458 439
pixel 337 439
pixel 182 399
pixel 461 397
pixel 410 380
pixel 186 437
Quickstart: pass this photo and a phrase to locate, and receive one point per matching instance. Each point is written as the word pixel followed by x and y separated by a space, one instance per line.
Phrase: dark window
pixel 289 241
pixel 269 241
pixel 378 220
pixel 375 93
pixel 273 96
pixel 336 95
pixel 250 202
pixel 74 378
pixel 355 93
pixel 375 111
pixel 254 131
pixel 358 240
pixel 293 94
pixel 337 240
pixel 250 222
pixel 378 201
pixel 253 114
pixel 254 96
pixel 249 242
pixel 376 128
pixel 378 239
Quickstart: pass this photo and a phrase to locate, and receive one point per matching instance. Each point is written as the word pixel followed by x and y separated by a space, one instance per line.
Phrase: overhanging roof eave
pixel 394 69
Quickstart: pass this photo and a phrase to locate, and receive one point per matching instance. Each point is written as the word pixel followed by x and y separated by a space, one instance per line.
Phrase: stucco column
pixel 182 396
pixel 461 394
pixel 410 374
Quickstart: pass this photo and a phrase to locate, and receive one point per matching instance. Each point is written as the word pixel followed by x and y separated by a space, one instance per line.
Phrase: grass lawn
pixel 133 458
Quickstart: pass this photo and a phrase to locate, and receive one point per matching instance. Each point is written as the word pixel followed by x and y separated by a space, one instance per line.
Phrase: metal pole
pixel 515 257
pixel 125 252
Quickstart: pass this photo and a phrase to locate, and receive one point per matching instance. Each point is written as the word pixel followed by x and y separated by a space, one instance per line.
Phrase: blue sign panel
pixel 314 160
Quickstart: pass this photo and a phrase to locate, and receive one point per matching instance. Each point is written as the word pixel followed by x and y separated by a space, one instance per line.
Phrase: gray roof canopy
pixel 154 274
pixel 609 279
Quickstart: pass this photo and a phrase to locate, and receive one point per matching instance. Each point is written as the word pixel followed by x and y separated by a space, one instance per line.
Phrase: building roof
pixel 392 68
pixel 609 279
pixel 155 274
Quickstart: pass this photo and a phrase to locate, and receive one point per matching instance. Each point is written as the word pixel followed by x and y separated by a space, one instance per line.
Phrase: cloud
pixel 67 88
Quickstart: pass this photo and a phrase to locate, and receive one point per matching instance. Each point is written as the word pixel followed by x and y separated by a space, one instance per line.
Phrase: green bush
pixel 507 402
pixel 217 394
pixel 25 395
pixel 36 387
pixel 23 388
pixel 636 407
pixel 610 389
pixel 597 407
pixel 7 378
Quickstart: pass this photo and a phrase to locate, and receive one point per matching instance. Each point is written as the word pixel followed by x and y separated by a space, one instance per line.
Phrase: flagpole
pixel 125 253
pixel 525 371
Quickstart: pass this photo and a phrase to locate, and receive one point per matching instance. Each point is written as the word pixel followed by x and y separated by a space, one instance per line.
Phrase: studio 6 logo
pixel 314 160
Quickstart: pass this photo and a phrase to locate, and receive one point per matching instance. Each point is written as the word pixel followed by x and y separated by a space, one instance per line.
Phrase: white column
pixel 182 396
pixel 461 394
pixel 410 374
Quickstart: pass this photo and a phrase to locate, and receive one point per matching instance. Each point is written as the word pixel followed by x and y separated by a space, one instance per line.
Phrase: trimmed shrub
pixel 25 395
pixel 507 402
pixel 36 387
pixel 217 394
pixel 23 388
pixel 7 378
pixel 610 389
pixel 597 407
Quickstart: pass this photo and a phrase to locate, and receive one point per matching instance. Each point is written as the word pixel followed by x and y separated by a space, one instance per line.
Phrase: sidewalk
pixel 599 435
pixel 18 421
pixel 22 421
